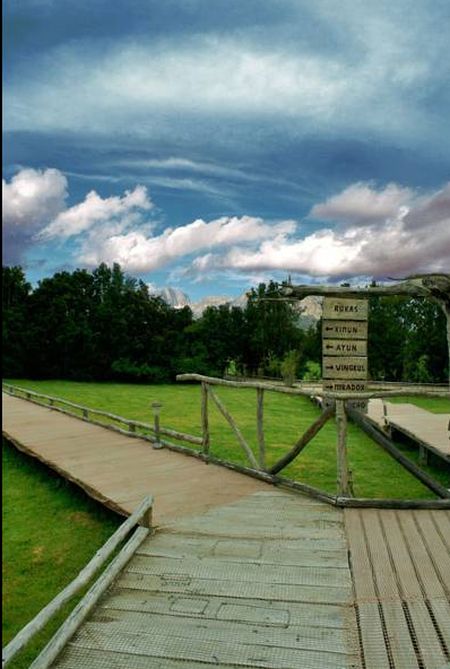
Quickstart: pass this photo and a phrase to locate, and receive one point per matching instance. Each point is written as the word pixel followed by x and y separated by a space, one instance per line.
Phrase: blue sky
pixel 212 144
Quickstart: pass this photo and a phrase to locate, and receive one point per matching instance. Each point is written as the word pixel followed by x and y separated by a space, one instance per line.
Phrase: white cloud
pixel 33 197
pixel 361 203
pixel 137 252
pixel 381 234
pixel 30 200
pixel 95 209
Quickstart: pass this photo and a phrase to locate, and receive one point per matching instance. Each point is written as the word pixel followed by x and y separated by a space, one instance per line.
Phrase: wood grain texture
pixel 400 568
pixel 203 594
pixel 120 471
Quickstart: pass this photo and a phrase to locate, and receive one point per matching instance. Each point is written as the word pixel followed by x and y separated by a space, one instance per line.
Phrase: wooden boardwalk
pixel 401 573
pixel 262 582
pixel 120 471
pixel 429 430
pixel 242 574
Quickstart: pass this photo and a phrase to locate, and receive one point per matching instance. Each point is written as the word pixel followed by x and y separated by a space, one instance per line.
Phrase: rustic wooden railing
pixel 134 428
pixel 257 463
pixel 141 516
pixel 341 411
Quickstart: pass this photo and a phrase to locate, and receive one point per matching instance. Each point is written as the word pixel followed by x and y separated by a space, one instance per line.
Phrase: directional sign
pixel 341 308
pixel 345 386
pixel 341 347
pixel 344 348
pixel 344 329
pixel 344 368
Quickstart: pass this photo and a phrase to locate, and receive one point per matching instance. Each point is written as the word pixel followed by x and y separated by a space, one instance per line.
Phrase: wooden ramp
pixel 120 471
pixel 429 430
pixel 261 582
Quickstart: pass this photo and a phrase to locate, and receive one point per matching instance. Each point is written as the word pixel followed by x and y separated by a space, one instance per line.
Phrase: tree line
pixel 105 325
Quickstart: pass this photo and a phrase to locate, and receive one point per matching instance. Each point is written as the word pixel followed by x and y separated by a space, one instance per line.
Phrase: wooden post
pixel 260 426
pixel 342 463
pixel 156 406
pixel 423 455
pixel 205 422
pixel 85 414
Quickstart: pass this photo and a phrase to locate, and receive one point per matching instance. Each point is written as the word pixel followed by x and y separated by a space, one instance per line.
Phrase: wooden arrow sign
pixel 342 347
pixel 344 367
pixel 344 329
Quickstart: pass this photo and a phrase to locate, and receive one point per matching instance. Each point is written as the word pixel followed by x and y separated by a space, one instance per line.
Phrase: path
pixel 246 575
pixel 262 582
pixel 120 471
pixel 401 574
pixel 429 430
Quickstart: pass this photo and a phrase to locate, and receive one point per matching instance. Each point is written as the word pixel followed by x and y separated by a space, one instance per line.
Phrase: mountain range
pixel 309 309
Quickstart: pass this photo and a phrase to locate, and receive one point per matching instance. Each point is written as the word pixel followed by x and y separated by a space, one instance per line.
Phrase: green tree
pixel 15 326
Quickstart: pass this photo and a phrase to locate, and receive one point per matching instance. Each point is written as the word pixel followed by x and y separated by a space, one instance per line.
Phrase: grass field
pixel 375 474
pixel 50 531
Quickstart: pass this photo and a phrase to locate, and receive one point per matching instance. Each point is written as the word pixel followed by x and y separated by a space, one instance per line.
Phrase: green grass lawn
pixel 434 404
pixel 375 473
pixel 50 531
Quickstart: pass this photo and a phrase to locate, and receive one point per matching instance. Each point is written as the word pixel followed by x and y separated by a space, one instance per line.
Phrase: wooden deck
pixel 262 582
pixel 400 564
pixel 429 430
pixel 120 471
pixel 242 574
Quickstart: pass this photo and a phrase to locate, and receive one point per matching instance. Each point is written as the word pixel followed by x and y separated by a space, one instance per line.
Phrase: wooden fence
pixel 141 516
pixel 257 463
pixel 341 411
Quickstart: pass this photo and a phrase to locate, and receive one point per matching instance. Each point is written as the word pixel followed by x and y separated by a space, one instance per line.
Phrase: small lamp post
pixel 156 407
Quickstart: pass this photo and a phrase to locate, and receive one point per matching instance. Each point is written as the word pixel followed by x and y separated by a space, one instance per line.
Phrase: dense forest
pixel 104 324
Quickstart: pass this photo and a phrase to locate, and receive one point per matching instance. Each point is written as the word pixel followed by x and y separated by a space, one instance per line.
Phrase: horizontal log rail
pixel 257 463
pixel 415 391
pixel 341 411
pixel 132 425
pixel 141 516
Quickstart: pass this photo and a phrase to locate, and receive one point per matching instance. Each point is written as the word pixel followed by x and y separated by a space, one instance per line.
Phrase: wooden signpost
pixel 344 346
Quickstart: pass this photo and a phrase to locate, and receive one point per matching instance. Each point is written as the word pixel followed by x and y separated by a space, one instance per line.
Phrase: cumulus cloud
pixel 138 252
pixel 95 209
pixel 35 210
pixel 361 203
pixel 361 231
pixel 30 200
pixel 381 233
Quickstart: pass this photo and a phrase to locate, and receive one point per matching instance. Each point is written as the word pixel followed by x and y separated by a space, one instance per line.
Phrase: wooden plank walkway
pixel 261 582
pixel 240 574
pixel 429 430
pixel 117 470
pixel 400 564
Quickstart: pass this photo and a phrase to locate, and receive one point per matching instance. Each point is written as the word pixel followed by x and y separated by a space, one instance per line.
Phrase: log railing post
pixel 205 421
pixel 342 461
pixel 260 426
pixel 156 406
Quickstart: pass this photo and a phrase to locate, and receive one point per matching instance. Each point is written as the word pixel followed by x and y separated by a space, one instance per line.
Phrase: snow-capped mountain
pixel 174 297
pixel 309 309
